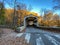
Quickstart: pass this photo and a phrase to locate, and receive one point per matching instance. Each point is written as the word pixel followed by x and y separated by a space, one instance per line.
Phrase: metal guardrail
pixel 49 28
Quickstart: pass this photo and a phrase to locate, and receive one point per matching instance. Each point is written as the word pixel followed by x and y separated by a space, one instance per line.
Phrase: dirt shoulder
pixel 8 37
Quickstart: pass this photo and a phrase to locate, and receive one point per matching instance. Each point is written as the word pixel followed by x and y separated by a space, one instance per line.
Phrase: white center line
pixel 39 41
pixel 27 37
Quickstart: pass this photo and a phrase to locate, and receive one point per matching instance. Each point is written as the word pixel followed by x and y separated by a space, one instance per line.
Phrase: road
pixel 36 36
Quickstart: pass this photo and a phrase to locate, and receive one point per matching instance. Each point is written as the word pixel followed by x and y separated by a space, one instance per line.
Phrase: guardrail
pixel 53 29
pixel 46 27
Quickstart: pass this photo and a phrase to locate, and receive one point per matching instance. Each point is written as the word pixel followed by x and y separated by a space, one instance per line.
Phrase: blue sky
pixel 37 5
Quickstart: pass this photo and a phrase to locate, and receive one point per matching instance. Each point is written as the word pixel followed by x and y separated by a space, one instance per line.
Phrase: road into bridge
pixel 36 36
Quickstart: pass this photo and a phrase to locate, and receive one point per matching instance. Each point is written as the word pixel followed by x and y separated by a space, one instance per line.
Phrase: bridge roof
pixel 31 16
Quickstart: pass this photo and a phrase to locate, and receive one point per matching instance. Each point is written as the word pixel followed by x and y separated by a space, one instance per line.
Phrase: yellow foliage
pixel 9 13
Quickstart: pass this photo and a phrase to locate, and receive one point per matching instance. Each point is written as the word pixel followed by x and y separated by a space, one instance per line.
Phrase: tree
pixel 42 11
pixel 30 8
pixel 2 12
pixel 17 7
pixel 10 3
pixel 47 14
pixel 20 7
pixel 56 18
pixel 57 6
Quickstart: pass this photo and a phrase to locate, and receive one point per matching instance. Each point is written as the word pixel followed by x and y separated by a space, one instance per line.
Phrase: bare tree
pixel 30 8
pixel 10 3
pixel 57 6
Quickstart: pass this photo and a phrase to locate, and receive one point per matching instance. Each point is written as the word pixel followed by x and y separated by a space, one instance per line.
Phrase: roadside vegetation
pixel 15 17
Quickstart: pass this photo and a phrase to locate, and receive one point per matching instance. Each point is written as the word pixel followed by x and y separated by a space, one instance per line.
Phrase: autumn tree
pixel 17 7
pixel 47 17
pixel 56 19
pixel 21 8
pixel 48 14
pixel 9 16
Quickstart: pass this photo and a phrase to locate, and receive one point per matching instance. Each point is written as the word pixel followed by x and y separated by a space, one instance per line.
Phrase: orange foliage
pixel 41 20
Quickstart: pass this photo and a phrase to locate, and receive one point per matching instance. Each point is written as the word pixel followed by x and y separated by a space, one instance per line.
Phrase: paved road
pixel 36 36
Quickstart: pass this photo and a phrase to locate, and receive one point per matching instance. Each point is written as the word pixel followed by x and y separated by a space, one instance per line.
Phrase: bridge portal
pixel 30 21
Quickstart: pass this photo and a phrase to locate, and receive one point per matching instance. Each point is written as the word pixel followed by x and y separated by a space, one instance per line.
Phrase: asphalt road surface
pixel 36 36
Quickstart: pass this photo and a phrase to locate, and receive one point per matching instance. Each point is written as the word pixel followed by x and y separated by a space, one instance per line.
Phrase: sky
pixel 37 5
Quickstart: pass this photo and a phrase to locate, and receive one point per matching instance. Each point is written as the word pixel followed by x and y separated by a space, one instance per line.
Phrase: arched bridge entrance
pixel 30 21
